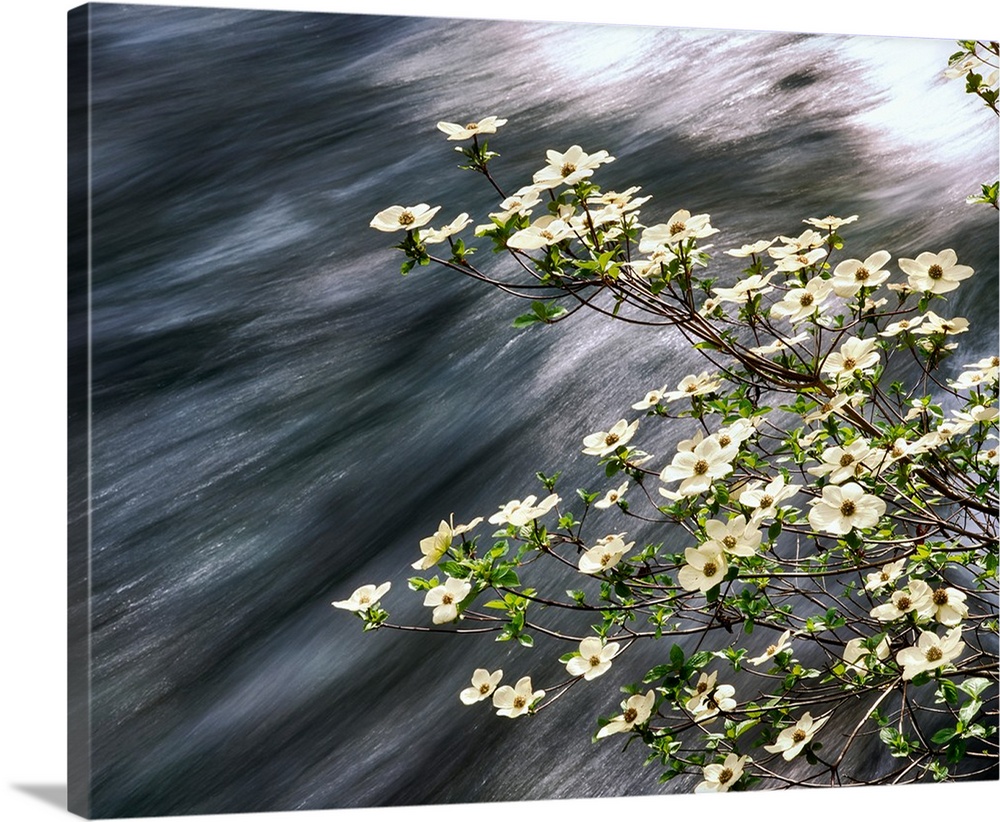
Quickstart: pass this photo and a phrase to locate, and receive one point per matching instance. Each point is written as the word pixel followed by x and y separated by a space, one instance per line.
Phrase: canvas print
pixel 471 411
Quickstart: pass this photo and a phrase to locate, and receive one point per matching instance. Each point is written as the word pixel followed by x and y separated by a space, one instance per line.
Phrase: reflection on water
pixel 279 417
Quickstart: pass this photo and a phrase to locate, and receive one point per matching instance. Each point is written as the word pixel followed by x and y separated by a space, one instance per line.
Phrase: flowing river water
pixel 279 417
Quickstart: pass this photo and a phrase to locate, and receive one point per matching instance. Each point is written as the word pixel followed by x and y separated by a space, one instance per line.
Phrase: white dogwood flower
pixel 751 249
pixel 652 398
pixel 691 386
pixel 803 259
pixel 513 702
pixel 906 325
pixel 612 496
pixel 404 218
pixel 439 235
pixel 888 574
pixel 764 500
pixel 949 606
pixel 594 660
pixel 740 293
pixel 933 324
pixel 698 468
pixel 363 598
pixel 735 537
pixel 856 654
pixel 844 462
pixel 931 652
pixel 703 687
pixel 483 685
pixel 435 546
pixel 791 741
pixel 916 598
pixel 850 276
pixel 602 443
pixel 830 223
pixel 773 650
pixel 636 711
pixel 800 304
pixel 780 345
pixel 488 125
pixel 569 167
pixel 445 599
pixel 855 355
pixel 842 508
pixel 545 231
pixel 710 704
pixel 935 273
pixel 719 778
pixel 521 512
pixel 681 226
pixel 705 568
pixel 607 553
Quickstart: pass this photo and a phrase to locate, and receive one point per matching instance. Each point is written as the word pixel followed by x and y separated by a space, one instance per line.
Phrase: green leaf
pixel 943 736
pixel 524 320
pixel 973 686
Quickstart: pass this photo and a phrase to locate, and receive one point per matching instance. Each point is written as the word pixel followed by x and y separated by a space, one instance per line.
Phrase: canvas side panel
pixel 78 519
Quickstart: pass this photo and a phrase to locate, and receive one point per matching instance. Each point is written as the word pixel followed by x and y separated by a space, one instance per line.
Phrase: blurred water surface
pixel 279 418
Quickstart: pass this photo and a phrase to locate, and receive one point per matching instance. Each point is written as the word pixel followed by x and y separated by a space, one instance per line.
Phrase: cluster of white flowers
pixel 822 323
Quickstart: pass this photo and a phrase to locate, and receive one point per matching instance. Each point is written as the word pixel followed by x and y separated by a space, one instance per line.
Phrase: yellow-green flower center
pixel 934 654
pixel 605 559
pixel 725 440
pixel 676 228
pixel 725 775
pixel 861 274
pixel 567 169
pixel 407 218
pixel 471 126
pixel 798 735
pixel 847 508
pixel 940 597
pixel 935 272
pixel 766 501
pixel 484 688
pixel 710 569
pixel 903 603
pixel 806 300
pixel 729 541
pixel 849 363
pixel 845 460
pixel 611 439
pixel 519 702
pixel 771 650
pixel 447 599
pixel 594 661
pixel 701 467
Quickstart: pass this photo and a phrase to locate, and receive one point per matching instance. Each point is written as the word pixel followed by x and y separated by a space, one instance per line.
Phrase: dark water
pixel 278 417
